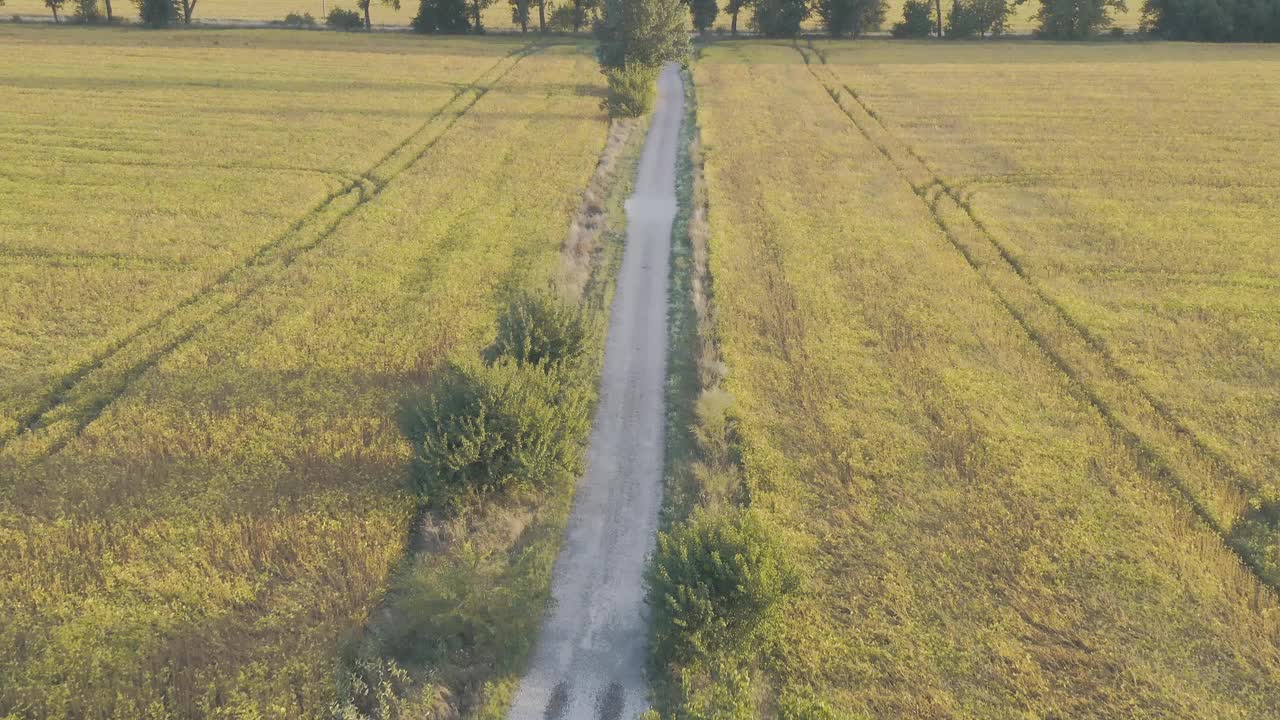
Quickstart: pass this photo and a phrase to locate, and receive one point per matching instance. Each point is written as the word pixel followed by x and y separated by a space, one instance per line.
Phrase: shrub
pixel 343 19
pixel 562 18
pixel 539 329
pixel 157 13
pixel 373 690
pixel 631 90
pixel 296 20
pixel 704 14
pixel 442 16
pixel 713 582
pixel 86 11
pixel 917 20
pixel 499 428
pixel 642 32
pixel 850 17
pixel 780 18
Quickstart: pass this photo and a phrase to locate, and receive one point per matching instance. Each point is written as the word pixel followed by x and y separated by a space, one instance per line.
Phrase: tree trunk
pixel 55 14
pixel 733 23
pixel 577 15
pixel 542 16
pixel 368 24
pixel 108 2
pixel 938 5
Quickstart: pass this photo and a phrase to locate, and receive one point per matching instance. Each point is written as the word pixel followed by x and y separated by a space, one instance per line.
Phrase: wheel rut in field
pixel 1162 445
pixel 591 652
pixel 79 397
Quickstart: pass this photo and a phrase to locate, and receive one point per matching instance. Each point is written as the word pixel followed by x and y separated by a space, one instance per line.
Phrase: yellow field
pixel 226 264
pixel 496 16
pixel 1001 329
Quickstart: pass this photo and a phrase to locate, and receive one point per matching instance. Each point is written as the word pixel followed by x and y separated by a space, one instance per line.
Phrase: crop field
pixel 496 16
pixel 1001 323
pixel 226 259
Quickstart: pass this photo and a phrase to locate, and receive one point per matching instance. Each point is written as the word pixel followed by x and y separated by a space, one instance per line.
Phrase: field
pixel 498 15
pixel 1001 328
pixel 227 262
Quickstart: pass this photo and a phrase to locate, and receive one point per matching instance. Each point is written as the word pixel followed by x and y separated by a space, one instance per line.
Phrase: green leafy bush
pixel 713 582
pixel 1215 20
pixel 499 428
pixel 157 13
pixel 296 20
pixel 780 18
pixel 631 90
pixel 917 20
pixel 343 19
pixel 539 329
pixel 442 16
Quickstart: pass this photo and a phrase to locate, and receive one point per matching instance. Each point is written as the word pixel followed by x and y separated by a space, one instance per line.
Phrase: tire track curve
pixel 78 398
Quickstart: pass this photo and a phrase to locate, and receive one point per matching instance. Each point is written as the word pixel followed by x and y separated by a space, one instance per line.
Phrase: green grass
pixel 212 493
pixel 996 522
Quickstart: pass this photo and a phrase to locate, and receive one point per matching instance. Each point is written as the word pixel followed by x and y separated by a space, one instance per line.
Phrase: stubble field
pixel 228 259
pixel 1001 329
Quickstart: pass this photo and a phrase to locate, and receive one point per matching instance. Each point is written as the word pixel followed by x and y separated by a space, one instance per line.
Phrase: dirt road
pixel 590 657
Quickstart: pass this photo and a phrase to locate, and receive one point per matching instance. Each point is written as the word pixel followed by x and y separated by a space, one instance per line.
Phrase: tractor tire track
pixel 80 397
pixel 1162 446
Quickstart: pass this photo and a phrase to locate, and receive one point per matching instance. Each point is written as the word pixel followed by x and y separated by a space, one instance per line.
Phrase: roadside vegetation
pixel 204 485
pixel 976 534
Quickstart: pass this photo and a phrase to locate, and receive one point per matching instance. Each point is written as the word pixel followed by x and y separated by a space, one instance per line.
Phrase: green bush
pixel 713 582
pixel 631 90
pixel 499 428
pixel 296 20
pixel 343 19
pixel 780 18
pixel 917 20
pixel 157 13
pixel 539 329
pixel 373 690
pixel 442 16
pixel 86 11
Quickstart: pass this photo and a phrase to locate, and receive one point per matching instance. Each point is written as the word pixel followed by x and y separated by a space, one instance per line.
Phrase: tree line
pixel 1202 20
pixel 1205 20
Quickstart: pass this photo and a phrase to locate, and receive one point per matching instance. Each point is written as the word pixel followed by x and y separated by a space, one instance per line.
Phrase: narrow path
pixel 590 658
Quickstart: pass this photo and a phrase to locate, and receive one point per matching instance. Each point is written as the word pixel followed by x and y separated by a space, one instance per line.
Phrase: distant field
pixel 498 15
pixel 227 258
pixel 1000 320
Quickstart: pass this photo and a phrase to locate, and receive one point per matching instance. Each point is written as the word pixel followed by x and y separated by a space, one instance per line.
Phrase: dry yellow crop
pixel 917 252
pixel 224 271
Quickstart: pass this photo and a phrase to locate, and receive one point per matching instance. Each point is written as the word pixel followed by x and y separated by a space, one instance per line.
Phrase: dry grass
pixel 195 526
pixel 983 540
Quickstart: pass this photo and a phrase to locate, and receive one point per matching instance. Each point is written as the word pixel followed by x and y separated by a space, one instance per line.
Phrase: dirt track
pixel 590 658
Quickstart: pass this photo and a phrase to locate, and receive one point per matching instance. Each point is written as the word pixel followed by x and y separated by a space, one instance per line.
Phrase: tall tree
pixel 843 18
pixel 110 17
pixel 364 6
pixel 520 14
pixel 55 6
pixel 917 20
pixel 477 11
pixel 733 7
pixel 642 32
pixel 542 16
pixel 704 14
pixel 188 8
pixel 937 5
